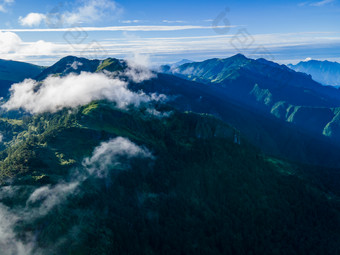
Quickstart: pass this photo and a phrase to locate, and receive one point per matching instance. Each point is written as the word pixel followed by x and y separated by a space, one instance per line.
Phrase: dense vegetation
pixel 274 107
pixel 200 193
pixel 225 166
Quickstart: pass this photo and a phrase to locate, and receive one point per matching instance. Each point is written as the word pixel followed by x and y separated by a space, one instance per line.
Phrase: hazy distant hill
pixel 168 67
pixel 14 71
pixel 325 72
pixel 17 71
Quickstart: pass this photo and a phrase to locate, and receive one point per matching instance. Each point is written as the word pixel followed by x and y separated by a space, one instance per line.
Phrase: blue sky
pixel 284 31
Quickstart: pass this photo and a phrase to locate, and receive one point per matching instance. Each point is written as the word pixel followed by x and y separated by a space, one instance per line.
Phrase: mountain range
pixel 271 89
pixel 325 72
pixel 14 71
pixel 249 102
pixel 224 156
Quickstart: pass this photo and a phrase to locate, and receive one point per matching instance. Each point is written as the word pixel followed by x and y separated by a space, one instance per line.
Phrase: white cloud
pixel 107 155
pixel 9 244
pixel 39 204
pixel 172 21
pixel 12 46
pixel 41 201
pixel 91 11
pixel 111 154
pixel 4 4
pixel 73 90
pixel 42 52
pixel 322 3
pixel 139 68
pixel 48 196
pixel 141 28
pixel 130 21
pixel 32 19
pixel 88 12
pixel 75 65
pixel 9 42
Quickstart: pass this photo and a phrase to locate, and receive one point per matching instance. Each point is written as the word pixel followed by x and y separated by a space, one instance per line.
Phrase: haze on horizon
pixel 42 32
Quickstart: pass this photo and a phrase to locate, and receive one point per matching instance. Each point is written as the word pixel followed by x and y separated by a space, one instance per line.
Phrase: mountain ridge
pixel 271 88
pixel 325 72
pixel 73 64
pixel 191 174
pixel 260 127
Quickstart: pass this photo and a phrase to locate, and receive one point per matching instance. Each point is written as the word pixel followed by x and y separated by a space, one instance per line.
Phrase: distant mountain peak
pixel 72 58
pixel 16 71
pixel 182 62
pixel 73 64
pixel 325 72
pixel 239 55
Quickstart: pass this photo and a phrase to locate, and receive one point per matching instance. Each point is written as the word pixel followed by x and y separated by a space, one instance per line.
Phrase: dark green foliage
pixel 201 194
pixel 272 134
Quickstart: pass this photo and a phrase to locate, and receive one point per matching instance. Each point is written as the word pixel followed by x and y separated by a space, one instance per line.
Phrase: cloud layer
pixel 73 90
pixel 12 46
pixel 199 47
pixel 108 155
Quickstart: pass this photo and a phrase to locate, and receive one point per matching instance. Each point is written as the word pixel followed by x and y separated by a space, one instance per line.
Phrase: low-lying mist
pixel 113 155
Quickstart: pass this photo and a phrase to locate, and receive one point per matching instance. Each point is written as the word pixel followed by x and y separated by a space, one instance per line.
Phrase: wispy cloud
pixel 4 4
pixel 106 157
pixel 89 12
pixel 13 47
pixel 316 4
pixel 111 154
pixel 303 4
pixel 172 21
pixel 135 21
pixel 9 244
pixel 116 28
pixel 48 197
